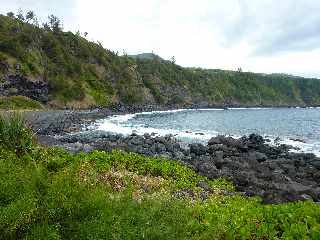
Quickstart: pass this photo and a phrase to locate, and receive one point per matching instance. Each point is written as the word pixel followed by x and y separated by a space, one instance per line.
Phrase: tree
pixel 35 22
pixel 54 23
pixel 46 26
pixel 10 14
pixel 30 16
pixel 173 60
pixel 20 15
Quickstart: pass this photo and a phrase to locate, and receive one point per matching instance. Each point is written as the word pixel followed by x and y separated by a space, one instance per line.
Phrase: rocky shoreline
pixel 256 168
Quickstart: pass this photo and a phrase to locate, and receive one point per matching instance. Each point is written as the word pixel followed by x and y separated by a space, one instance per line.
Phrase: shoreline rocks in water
pixel 256 168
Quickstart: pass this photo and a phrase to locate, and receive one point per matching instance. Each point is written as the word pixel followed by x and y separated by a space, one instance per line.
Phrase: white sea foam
pixel 115 125
pixel 249 108
pixel 303 147
pixel 119 124
pixel 209 109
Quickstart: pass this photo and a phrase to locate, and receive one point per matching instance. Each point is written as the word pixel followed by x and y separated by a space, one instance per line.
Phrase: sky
pixel 269 36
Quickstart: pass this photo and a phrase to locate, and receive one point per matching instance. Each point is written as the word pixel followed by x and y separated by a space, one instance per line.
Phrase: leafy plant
pixel 14 135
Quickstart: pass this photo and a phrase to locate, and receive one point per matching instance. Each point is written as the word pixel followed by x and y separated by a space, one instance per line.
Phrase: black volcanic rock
pixel 19 85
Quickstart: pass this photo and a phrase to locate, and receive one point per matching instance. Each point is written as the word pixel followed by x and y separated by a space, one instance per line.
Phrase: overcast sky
pixel 256 35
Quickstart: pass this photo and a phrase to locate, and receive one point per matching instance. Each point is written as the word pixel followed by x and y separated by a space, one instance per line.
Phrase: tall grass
pixel 14 135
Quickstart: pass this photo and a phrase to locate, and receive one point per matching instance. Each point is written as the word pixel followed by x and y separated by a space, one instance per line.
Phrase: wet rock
pixel 217 147
pixel 260 157
pixel 216 140
pixel 136 140
pixel 316 163
pixel 298 140
pixel 178 155
pixel 256 139
pixel 199 133
pixel 219 156
pixel 159 147
pixel 146 135
pixel 169 147
pixel 197 149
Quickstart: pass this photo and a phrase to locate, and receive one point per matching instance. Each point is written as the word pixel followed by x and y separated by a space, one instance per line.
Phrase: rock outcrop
pixel 13 85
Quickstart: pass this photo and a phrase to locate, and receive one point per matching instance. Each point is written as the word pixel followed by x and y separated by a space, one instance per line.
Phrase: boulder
pixel 198 149
pixel 256 139
pixel 160 147
pixel 208 169
pixel 257 156
pixel 316 163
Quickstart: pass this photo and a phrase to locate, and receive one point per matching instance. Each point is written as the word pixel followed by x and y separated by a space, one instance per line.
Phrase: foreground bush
pixel 14 136
pixel 55 195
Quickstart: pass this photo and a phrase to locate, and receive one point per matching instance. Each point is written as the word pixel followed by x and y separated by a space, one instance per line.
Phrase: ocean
pixel 299 127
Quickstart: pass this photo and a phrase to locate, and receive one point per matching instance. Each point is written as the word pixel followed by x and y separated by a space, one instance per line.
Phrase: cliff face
pixel 64 69
pixel 13 85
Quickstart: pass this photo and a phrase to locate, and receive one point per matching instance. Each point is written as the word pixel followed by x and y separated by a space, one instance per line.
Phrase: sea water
pixel 299 127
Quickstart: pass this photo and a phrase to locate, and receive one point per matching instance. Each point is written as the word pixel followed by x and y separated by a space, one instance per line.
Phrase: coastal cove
pixel 256 165
pixel 298 127
pixel 160 120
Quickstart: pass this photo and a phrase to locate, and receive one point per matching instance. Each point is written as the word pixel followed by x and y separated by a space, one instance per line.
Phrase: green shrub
pixel 178 174
pixel 57 195
pixel 14 136
pixel 2 57
pixel 19 102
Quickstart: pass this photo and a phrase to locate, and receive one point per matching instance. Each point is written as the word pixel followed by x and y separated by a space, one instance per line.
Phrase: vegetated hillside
pixel 148 56
pixel 64 69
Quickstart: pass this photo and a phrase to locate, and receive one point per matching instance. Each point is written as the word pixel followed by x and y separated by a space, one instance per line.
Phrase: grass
pixel 47 193
pixel 19 103
pixel 14 136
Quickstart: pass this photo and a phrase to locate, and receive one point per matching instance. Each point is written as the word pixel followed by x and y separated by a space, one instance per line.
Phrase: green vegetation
pixel 14 136
pixel 83 74
pixel 19 102
pixel 47 193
